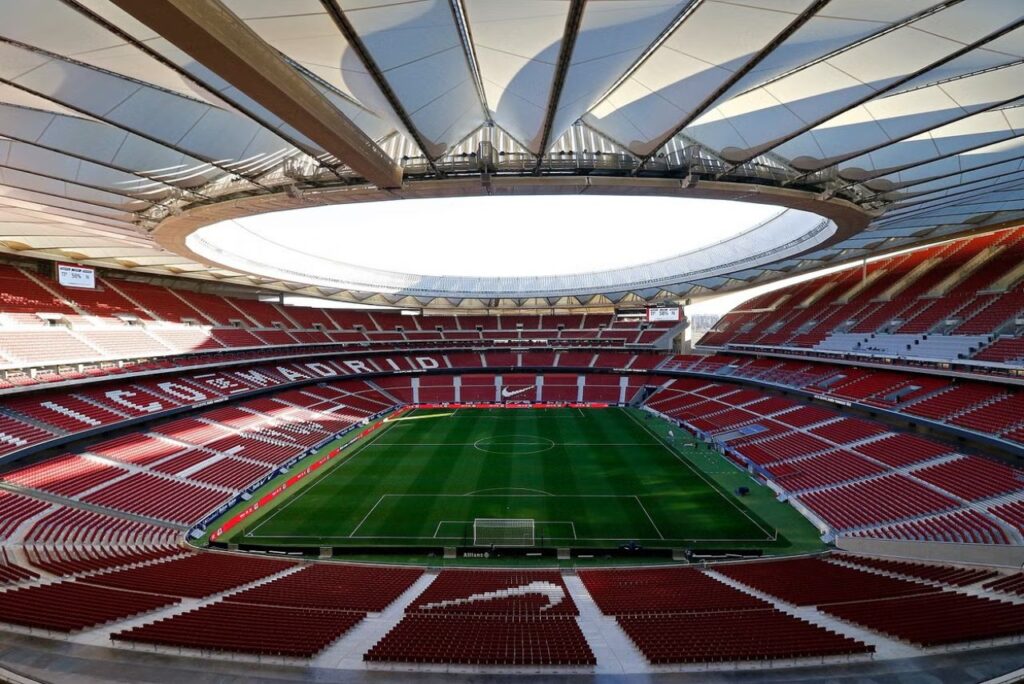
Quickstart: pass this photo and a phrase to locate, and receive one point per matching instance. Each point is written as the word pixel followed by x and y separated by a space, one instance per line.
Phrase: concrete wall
pixel 970 554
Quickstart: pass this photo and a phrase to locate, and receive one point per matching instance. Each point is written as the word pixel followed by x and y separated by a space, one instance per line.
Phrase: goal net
pixel 503 532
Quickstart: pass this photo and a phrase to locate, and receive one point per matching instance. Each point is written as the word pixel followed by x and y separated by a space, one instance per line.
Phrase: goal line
pixel 503 532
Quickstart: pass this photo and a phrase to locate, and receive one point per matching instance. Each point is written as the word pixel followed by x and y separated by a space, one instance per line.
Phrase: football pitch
pixel 584 477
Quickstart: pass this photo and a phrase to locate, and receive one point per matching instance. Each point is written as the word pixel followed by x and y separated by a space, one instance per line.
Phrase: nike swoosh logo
pixel 506 392
pixel 552 592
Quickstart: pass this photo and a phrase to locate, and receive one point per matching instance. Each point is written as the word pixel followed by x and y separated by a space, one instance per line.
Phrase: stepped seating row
pixel 181 322
pixel 66 475
pixel 792 445
pixel 954 401
pixel 973 478
pixel 682 615
pixel 66 560
pixel 935 619
pixel 254 446
pixel 229 472
pixel 844 487
pixel 488 618
pixel 805 416
pixel 909 295
pixel 817 582
pixel 825 469
pixel 761 430
pixel 734 636
pixel 72 606
pixel 89 409
pixel 484 640
pixel 270 347
pixel 995 417
pixel 848 431
pixel 15 510
pixel 724 419
pixel 297 615
pixel 157 497
pixel 943 574
pixel 195 576
pixel 1008 584
pixel 26 292
pixel 1003 350
pixel 361 588
pixel 137 448
pixel 15 434
pixel 980 407
pixel 68 413
pixel 80 526
pixel 654 591
pixel 49 346
pixel 182 461
pixel 11 572
pixel 1012 513
pixel 245 628
pixel 889 498
pixel 959 527
pixel 900 450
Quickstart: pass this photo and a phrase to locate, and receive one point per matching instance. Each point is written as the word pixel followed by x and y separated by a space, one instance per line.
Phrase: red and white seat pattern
pixel 488 618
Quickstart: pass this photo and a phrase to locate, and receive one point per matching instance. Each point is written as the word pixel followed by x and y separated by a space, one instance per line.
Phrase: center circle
pixel 513 445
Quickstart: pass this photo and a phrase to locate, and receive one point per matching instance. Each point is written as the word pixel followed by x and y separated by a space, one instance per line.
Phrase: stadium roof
pixel 125 126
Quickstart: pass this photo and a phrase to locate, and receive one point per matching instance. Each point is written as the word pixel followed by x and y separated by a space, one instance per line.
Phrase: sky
pixel 527 235
pixel 520 235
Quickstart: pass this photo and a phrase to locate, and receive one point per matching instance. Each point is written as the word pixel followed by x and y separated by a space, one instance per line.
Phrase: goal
pixel 503 532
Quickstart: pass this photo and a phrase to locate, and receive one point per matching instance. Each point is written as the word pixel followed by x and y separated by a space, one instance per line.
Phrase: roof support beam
pixel 572 29
pixel 927 204
pixel 739 74
pixel 76 106
pixel 880 195
pixel 185 74
pixel 466 36
pixel 216 38
pixel 934 9
pixel 874 95
pixel 90 160
pixel 41 201
pixel 665 34
pixel 906 136
pixel 134 197
pixel 879 173
pixel 357 45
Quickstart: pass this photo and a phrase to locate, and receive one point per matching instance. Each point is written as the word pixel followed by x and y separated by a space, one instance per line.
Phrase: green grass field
pixel 586 477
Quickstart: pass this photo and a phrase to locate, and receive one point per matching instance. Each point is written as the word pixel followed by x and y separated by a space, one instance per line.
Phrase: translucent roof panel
pixel 417 48
pixel 517 46
pixel 691 64
pixel 904 120
pixel 613 35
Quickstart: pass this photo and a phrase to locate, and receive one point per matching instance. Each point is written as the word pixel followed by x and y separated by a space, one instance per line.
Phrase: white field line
pixel 642 508
pixel 298 495
pixel 767 534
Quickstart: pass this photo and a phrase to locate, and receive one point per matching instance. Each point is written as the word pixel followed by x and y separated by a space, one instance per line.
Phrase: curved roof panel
pixel 117 118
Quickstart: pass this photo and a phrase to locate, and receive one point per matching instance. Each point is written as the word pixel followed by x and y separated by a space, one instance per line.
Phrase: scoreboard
pixel 661 314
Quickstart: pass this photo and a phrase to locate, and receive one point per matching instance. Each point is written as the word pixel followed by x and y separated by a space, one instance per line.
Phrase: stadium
pixel 348 341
